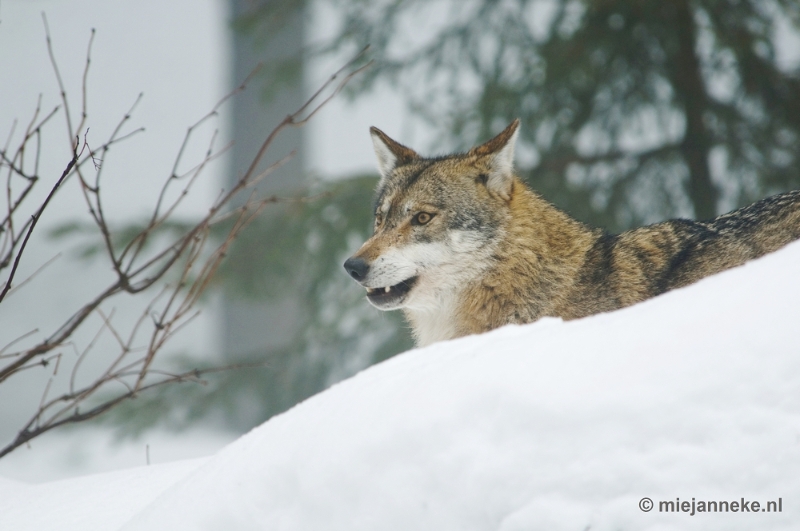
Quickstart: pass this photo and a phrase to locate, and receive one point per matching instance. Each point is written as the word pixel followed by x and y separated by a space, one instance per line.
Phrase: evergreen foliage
pixel 632 111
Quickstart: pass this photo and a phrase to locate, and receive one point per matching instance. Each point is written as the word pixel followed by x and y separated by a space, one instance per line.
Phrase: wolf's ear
pixel 500 154
pixel 390 154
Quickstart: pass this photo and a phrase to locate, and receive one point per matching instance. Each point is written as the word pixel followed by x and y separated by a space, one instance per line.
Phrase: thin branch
pixel 15 341
pixel 293 119
pixel 27 434
pixel 83 355
pixel 34 274
pixel 84 113
pixel 63 91
pixel 35 220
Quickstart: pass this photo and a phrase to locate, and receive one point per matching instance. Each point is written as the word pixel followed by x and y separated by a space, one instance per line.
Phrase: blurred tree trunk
pixel 688 81
pixel 257 328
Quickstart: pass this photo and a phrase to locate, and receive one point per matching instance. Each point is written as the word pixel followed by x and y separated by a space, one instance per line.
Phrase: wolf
pixel 463 246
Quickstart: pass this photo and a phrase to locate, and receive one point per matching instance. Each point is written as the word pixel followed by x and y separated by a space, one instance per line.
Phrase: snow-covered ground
pixel 694 395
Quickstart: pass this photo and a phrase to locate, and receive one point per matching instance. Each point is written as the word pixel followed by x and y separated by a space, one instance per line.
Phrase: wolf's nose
pixel 356 267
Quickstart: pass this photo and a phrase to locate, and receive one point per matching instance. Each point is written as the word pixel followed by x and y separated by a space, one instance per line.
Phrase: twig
pixel 15 341
pixel 34 274
pixel 62 90
pixel 31 430
pixel 35 220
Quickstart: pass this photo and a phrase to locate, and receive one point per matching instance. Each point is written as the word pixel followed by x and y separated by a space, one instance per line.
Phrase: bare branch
pixel 32 430
pixel 35 220
pixel 15 341
pixel 184 266
pixel 34 274
pixel 62 90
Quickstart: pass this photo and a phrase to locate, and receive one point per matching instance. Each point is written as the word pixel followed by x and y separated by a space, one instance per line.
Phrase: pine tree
pixel 632 111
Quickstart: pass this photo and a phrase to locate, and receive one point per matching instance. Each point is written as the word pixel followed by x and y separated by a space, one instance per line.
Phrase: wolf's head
pixel 436 221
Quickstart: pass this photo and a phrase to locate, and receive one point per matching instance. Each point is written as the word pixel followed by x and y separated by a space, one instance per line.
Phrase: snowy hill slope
pixel 97 502
pixel 550 426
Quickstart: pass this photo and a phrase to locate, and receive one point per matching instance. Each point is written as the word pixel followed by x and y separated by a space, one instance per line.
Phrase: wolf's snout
pixel 357 268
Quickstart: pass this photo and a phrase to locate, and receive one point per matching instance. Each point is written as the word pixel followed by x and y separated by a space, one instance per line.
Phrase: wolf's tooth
pixel 388 289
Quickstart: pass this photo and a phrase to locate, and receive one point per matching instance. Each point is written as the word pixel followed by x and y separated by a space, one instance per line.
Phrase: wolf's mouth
pixel 390 294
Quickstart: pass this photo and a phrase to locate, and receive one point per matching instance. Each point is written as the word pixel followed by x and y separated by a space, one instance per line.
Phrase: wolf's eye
pixel 421 219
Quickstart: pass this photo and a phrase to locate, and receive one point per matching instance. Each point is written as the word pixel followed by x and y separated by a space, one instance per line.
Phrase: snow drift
pixel 550 426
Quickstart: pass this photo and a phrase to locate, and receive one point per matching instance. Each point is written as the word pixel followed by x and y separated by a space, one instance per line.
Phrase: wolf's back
pixel 638 264
pixel 765 225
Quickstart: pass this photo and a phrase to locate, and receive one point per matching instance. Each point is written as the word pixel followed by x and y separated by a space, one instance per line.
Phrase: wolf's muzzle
pixel 356 268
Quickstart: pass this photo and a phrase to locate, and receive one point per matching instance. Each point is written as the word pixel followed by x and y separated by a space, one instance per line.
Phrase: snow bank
pixel 99 502
pixel 550 426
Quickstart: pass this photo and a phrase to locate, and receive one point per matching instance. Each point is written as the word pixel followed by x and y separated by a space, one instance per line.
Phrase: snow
pixel 550 426
pixel 102 501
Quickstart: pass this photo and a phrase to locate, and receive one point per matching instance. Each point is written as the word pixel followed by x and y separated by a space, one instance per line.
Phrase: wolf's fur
pixel 494 252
